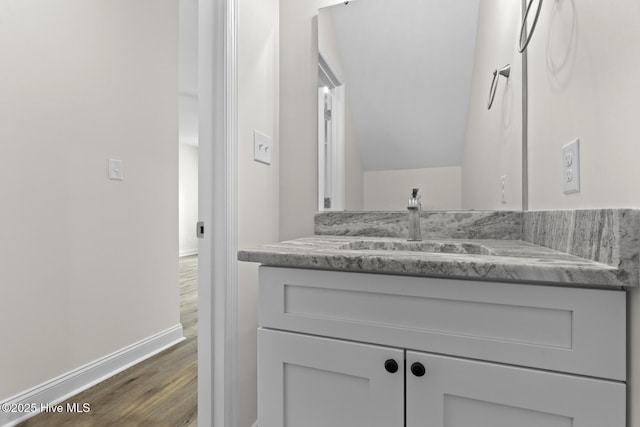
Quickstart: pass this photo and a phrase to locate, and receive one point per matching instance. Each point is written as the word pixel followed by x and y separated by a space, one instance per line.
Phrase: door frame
pixel 335 157
pixel 217 207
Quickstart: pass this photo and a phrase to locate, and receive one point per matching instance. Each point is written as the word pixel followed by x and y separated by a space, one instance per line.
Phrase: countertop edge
pixel 583 273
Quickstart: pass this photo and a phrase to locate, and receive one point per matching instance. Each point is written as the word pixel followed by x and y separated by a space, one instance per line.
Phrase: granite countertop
pixel 485 259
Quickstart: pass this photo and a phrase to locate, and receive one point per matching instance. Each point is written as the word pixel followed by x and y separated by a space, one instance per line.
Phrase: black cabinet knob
pixel 418 369
pixel 391 366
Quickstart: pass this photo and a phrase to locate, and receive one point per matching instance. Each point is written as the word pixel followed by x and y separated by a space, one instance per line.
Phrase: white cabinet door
pixel 307 381
pixel 462 393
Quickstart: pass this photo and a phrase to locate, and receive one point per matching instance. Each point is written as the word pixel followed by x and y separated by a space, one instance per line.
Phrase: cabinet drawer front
pixel 306 381
pixel 461 393
pixel 572 330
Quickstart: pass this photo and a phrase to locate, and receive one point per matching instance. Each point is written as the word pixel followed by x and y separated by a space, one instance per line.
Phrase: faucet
pixel 414 216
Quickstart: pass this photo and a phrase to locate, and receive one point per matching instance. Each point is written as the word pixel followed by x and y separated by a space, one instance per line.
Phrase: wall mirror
pixel 402 103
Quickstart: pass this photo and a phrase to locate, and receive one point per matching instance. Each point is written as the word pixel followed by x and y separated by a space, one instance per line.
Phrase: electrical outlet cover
pixel 115 170
pixel 261 147
pixel 571 167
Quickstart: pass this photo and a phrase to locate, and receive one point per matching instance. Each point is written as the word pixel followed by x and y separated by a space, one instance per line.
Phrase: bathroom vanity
pixel 356 349
pixel 371 331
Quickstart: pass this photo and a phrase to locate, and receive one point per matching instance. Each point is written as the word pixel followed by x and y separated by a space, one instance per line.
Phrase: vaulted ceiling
pixel 407 67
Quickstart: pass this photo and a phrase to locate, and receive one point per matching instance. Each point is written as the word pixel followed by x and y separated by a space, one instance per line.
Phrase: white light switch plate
pixel 261 147
pixel 115 170
pixel 503 189
pixel 571 167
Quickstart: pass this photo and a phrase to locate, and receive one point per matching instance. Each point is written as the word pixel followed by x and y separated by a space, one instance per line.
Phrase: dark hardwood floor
pixel 159 392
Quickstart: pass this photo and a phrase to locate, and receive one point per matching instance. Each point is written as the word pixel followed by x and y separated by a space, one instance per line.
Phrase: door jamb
pixel 217 207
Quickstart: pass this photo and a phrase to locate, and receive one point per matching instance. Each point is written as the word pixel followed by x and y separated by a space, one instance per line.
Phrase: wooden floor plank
pixel 159 392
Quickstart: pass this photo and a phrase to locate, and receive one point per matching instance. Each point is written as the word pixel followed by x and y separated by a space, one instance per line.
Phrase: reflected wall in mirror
pixel 402 103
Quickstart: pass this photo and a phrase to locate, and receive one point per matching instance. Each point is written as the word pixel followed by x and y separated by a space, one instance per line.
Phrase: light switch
pixel 261 147
pixel 115 170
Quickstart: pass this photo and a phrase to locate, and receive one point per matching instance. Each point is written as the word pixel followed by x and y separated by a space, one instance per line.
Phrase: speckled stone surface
pixel 510 260
pixel 607 236
pixel 582 247
pixel 434 224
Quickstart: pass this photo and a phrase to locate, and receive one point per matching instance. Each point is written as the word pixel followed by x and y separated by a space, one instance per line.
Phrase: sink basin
pixel 423 246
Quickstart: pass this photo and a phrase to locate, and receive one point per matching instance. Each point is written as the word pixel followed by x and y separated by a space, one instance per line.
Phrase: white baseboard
pixel 187 252
pixel 67 385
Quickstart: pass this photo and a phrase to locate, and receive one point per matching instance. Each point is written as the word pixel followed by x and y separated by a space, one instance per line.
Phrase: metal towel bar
pixel 521 46
pixel 504 71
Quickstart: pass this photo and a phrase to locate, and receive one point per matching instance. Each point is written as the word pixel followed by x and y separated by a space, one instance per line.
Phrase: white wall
pixel 493 138
pixel 258 92
pixel 584 64
pixel 584 84
pixel 298 115
pixel 188 199
pixel 188 72
pixel 327 42
pixel 390 190
pixel 354 173
pixel 89 265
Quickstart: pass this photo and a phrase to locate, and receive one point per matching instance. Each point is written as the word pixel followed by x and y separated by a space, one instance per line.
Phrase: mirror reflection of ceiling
pixel 407 67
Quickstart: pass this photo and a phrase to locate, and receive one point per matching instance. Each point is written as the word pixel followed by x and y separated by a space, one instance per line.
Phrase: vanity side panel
pixel 573 330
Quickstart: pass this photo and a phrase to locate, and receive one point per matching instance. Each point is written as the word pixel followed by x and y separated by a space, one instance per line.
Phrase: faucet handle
pixel 414 200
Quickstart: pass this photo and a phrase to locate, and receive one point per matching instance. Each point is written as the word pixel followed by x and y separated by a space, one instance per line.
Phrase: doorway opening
pixel 188 159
